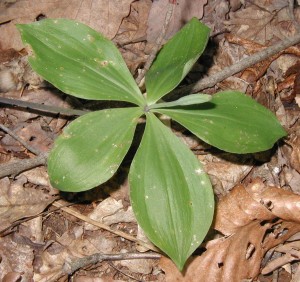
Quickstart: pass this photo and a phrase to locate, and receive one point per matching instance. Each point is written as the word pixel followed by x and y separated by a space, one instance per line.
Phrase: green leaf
pixel 176 59
pixel 231 121
pixel 192 99
pixel 91 148
pixel 79 61
pixel 171 195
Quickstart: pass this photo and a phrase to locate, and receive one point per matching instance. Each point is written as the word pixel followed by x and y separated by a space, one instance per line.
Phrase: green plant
pixel 170 194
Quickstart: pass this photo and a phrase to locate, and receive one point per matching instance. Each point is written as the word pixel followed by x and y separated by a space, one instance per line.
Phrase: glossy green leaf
pixel 175 59
pixel 231 121
pixel 192 99
pixel 171 195
pixel 79 61
pixel 91 148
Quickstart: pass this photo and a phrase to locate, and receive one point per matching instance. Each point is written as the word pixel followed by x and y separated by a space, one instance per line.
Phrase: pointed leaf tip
pixel 176 59
pixel 170 194
pixel 232 122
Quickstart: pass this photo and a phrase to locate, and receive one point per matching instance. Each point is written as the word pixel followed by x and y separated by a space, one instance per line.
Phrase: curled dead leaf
pixel 255 218
pixel 234 258
pixel 255 202
pixel 17 202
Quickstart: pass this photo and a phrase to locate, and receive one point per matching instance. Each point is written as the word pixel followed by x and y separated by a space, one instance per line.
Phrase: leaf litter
pixel 256 230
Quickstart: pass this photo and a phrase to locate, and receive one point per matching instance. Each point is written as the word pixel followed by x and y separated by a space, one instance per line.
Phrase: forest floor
pixel 256 232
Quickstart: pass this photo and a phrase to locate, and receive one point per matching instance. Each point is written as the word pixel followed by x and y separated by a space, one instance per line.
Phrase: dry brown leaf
pixel 292 179
pixel 291 80
pixel 262 21
pixel 235 4
pixel 282 203
pixel 134 26
pixel 255 202
pixel 16 260
pixel 234 258
pixel 110 211
pixel 143 266
pixel 32 134
pixel 184 11
pixel 256 218
pixel 295 155
pixel 104 16
pixel 132 33
pixel 85 245
pixel 17 201
pixel 37 176
pixel 215 12
pixel 51 262
pixel 226 170
pixel 238 209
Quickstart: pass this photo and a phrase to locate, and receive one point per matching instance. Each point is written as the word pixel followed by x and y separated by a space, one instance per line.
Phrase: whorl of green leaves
pixel 170 193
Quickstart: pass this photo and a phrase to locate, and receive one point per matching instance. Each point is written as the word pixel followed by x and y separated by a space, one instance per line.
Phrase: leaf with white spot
pixel 91 149
pixel 171 195
pixel 79 61
pixel 176 59
pixel 231 121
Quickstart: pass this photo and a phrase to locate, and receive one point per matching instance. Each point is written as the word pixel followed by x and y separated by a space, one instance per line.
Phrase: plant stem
pixel 71 267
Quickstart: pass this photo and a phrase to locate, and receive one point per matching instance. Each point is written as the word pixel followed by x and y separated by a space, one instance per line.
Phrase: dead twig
pixel 41 108
pixel 20 140
pixel 16 167
pixel 238 67
pixel 72 266
pixel 158 43
pixel 103 226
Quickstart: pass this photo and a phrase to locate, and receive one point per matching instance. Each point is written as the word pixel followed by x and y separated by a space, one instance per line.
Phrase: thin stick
pixel 238 67
pixel 158 43
pixel 103 226
pixel 41 108
pixel 16 167
pixel 20 140
pixel 71 267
